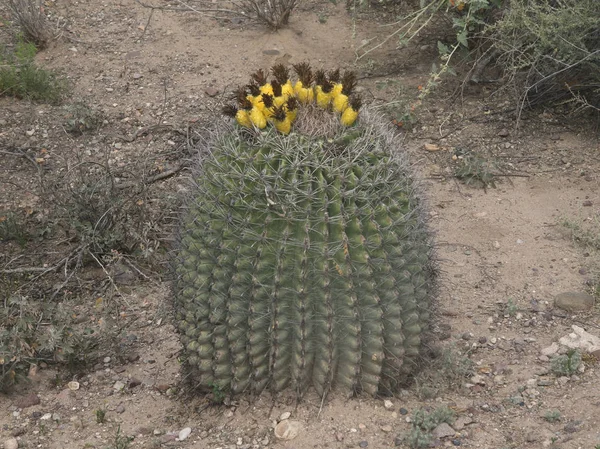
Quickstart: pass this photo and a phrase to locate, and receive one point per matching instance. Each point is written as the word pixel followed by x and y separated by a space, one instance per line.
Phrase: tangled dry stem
pixel 273 13
pixel 31 18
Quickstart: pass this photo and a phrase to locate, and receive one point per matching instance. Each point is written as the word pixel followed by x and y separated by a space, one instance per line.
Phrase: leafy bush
pixel 423 423
pixel 566 364
pixel 550 49
pixel 81 118
pixel 21 78
pixel 33 331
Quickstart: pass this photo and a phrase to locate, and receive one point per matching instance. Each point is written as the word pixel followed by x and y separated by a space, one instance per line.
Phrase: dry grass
pixel 29 15
pixel 273 13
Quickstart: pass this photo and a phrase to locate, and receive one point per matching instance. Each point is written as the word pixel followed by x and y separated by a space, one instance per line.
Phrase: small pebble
pixel 363 444
pixel 482 340
pixel 403 411
pixel 456 442
pixel 184 433
pixel 284 415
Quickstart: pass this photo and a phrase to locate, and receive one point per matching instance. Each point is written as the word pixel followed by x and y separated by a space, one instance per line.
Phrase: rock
pixel 27 401
pixel 389 405
pixel 580 339
pixel 137 76
pixel 339 436
pixel 73 386
pixel 284 415
pixel 531 437
pixel 478 380
pixel 211 91
pixel 11 443
pixel 587 203
pixel 398 441
pixel 456 442
pixel 184 433
pixel 545 382
pixel 162 388
pixel 271 52
pixel 118 386
pixel 550 350
pixel 287 430
pixel 133 382
pixel 120 408
pixel 106 360
pixel 386 428
pixel 403 411
pixel 144 431
pixel 462 421
pixel 363 444
pixel 503 133
pixel 443 430
pixel 574 301
pixel 482 340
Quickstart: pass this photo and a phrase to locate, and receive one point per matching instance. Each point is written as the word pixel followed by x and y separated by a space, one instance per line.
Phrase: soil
pixel 503 253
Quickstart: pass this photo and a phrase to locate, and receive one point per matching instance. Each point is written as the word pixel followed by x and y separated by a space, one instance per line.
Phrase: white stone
pixel 550 350
pixel 184 433
pixel 388 404
pixel 11 443
pixel 580 339
pixel 46 417
pixel 287 430
pixel 284 415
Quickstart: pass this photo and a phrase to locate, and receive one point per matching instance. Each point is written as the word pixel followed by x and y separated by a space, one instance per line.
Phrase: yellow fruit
pixel 291 115
pixel 243 118
pixel 283 126
pixel 287 90
pixel 337 89
pixel 278 101
pixel 266 89
pixel 323 98
pixel 257 118
pixel 305 95
pixel 340 102
pixel 349 116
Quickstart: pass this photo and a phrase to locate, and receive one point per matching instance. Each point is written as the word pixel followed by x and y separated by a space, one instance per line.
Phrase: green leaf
pixel 462 38
pixel 442 48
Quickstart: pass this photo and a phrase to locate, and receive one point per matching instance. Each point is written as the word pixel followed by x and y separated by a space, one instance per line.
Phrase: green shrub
pixel 20 77
pixel 566 364
pixel 35 331
pixel 304 261
pixel 423 423
pixel 550 49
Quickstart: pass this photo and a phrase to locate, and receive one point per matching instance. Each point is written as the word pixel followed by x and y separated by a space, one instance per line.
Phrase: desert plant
pixel 423 423
pixel 81 118
pixel 552 416
pixel 550 49
pixel 11 228
pixel 30 17
pixel 566 364
pixel 121 441
pixel 304 261
pixel 34 331
pixel 447 370
pixel 20 77
pixel 273 13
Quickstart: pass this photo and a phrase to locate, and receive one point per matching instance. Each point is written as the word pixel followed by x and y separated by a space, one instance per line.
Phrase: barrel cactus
pixel 304 261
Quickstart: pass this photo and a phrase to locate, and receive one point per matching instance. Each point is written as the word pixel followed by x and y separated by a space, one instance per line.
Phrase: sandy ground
pixel 503 254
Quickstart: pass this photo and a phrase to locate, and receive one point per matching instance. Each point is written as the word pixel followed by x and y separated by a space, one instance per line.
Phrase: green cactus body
pixel 304 261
